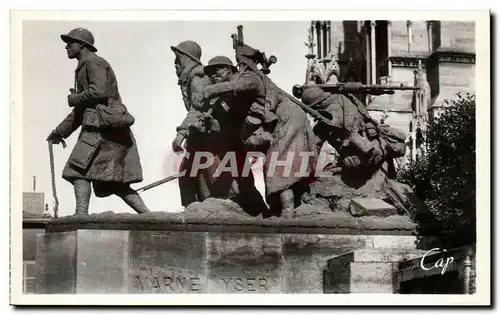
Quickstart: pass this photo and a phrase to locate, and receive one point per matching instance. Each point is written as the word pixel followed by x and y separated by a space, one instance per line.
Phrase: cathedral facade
pixel 438 57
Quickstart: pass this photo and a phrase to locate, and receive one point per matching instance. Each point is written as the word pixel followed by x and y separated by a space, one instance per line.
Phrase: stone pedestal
pixel 173 254
pixel 366 270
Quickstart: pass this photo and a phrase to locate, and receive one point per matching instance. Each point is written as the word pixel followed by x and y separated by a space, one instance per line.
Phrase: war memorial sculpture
pixel 323 226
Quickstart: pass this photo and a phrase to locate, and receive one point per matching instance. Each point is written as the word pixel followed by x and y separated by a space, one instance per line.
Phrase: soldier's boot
pixel 82 196
pixel 287 201
pixel 133 200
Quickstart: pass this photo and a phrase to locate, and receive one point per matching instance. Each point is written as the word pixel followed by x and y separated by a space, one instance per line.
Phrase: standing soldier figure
pixel 221 132
pixel 106 153
pixel 192 80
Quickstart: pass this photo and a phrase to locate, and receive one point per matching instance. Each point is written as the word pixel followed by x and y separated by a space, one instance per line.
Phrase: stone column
pixel 329 36
pixel 318 36
pixel 408 27
pixel 310 54
pixel 368 69
pixel 325 39
pixel 389 47
pixel 429 35
pixel 373 53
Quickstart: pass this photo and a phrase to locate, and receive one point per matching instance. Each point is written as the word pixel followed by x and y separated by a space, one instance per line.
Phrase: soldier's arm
pixel 192 117
pixel 70 123
pixel 183 128
pixel 246 83
pixel 97 71
pixel 198 83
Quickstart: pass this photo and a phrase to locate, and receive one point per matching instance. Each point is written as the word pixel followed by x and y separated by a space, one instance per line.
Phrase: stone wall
pixel 419 39
pixel 136 254
pixel 442 55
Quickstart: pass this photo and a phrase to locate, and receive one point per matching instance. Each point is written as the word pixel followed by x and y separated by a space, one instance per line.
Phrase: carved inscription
pixel 242 284
pixel 167 281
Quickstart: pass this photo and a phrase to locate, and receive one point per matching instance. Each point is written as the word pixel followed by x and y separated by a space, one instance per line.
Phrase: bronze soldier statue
pixel 105 154
pixel 362 143
pixel 192 79
pixel 223 123
pixel 272 124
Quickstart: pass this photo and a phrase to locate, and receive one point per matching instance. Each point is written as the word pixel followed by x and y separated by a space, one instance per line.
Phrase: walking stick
pixel 53 176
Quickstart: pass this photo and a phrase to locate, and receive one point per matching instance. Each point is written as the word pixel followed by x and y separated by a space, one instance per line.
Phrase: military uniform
pixel 257 106
pixel 211 128
pixel 360 140
pixel 191 81
pixel 106 152
pixel 100 154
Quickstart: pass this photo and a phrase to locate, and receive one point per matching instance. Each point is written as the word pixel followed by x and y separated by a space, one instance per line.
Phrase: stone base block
pixel 366 270
pixel 371 207
pixel 147 257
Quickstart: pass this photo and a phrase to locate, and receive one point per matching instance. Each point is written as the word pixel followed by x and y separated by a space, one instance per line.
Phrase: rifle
pixel 260 58
pixel 356 88
pixel 159 182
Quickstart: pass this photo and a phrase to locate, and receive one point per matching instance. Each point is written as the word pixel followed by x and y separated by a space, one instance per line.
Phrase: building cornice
pixel 442 55
pixel 35 223
pixel 408 61
pixel 446 55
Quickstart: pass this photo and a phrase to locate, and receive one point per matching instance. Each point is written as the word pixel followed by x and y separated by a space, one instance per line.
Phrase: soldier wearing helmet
pixel 214 128
pixel 191 80
pixel 105 155
pixel 269 123
pixel 362 143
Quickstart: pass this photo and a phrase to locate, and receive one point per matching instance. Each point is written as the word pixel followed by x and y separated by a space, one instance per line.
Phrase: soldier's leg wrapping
pixel 82 195
pixel 287 200
pixel 131 198
pixel 127 194
pixel 187 184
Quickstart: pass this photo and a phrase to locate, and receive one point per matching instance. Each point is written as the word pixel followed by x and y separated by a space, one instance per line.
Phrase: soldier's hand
pixel 352 161
pixel 377 155
pixel 72 100
pixel 177 144
pixel 54 137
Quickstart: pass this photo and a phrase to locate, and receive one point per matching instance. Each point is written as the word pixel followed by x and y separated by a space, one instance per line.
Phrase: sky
pixel 140 55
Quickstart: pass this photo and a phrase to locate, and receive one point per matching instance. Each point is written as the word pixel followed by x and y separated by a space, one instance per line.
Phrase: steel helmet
pixel 313 95
pixel 81 35
pixel 219 61
pixel 189 48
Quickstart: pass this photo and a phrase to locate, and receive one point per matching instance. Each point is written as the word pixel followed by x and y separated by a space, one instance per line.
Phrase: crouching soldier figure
pixel 105 154
pixel 363 144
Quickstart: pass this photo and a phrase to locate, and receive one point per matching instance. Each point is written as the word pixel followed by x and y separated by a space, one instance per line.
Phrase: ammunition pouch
pixel 203 123
pixel 114 116
pixel 394 140
pixel 85 149
pixel 249 127
pixel 371 131
pixel 91 118
pixel 107 116
pixel 359 142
